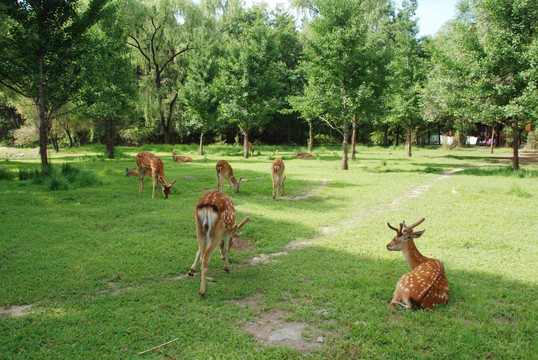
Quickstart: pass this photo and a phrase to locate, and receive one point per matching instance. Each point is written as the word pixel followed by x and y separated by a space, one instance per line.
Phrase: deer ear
pixel 418 234
pixel 172 183
pixel 160 180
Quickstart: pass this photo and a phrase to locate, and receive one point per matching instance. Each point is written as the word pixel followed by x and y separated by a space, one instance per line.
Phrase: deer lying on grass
pixel 147 162
pixel 277 170
pixel 224 171
pixel 302 155
pixel 214 216
pixel 425 286
pixel 180 158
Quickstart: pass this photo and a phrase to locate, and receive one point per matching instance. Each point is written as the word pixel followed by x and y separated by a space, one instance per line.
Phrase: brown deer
pixel 214 216
pixel 302 155
pixel 251 148
pixel 277 170
pixel 147 162
pixel 132 172
pixel 180 158
pixel 425 286
pixel 224 171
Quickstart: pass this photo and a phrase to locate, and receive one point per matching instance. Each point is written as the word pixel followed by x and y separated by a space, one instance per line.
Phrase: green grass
pixel 98 261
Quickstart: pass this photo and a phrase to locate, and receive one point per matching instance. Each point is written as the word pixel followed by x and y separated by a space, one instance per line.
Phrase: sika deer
pixel 214 216
pixel 302 155
pixel 277 170
pixel 147 162
pixel 224 171
pixel 425 286
pixel 251 147
pixel 180 158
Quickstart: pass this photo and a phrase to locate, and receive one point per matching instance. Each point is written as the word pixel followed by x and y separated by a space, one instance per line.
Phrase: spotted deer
pixel 180 158
pixel 425 286
pixel 251 147
pixel 214 216
pixel 301 155
pixel 147 162
pixel 224 171
pixel 277 170
pixel 132 172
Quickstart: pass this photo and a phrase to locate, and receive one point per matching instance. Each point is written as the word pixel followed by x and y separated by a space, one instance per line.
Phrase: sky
pixel 432 14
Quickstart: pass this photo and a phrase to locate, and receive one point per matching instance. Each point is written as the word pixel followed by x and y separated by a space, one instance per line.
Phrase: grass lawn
pixel 103 267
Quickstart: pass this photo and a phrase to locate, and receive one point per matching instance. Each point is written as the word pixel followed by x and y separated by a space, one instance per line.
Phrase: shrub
pixel 6 174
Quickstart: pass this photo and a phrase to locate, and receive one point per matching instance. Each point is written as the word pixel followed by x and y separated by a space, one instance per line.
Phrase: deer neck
pixel 412 255
pixel 233 179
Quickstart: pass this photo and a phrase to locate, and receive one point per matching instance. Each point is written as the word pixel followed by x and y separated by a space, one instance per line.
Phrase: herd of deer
pixel 214 215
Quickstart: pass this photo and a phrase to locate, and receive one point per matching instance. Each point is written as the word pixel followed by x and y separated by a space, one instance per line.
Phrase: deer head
pixel 403 235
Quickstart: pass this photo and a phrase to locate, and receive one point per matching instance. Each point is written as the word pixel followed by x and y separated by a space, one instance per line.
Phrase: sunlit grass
pixel 99 262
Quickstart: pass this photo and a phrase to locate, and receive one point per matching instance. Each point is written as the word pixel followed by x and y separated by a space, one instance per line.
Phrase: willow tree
pixel 42 43
pixel 160 33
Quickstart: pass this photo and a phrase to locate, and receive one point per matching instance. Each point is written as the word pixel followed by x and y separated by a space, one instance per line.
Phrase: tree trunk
pixel 110 135
pixel 43 123
pixel 202 142
pixel 345 145
pixel 245 143
pixel 492 139
pixel 409 136
pixel 515 146
pixel 310 136
pixel 353 136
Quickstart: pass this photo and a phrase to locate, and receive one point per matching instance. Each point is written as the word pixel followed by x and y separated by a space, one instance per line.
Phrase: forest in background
pixel 178 71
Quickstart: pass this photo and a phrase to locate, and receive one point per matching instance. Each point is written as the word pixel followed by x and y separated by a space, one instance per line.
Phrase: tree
pixel 492 58
pixel 161 33
pixel 249 79
pixel 407 73
pixel 43 42
pixel 338 81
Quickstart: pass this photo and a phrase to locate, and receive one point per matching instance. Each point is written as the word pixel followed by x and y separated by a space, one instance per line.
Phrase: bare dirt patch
pixel 526 157
pixel 15 310
pixel 242 245
pixel 252 302
pixel 264 258
pixel 272 329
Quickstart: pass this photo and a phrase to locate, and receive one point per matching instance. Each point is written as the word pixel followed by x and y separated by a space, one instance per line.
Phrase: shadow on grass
pixel 342 296
pixel 504 171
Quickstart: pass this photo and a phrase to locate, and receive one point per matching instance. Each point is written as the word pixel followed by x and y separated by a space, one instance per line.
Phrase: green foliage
pixel 5 174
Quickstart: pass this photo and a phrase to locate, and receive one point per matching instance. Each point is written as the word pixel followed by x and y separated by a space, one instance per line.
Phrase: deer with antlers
pixel 224 171
pixel 214 216
pixel 277 172
pixel 301 155
pixel 425 286
pixel 180 158
pixel 147 162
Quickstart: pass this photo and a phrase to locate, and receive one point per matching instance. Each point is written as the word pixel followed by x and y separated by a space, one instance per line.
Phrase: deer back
pixel 214 209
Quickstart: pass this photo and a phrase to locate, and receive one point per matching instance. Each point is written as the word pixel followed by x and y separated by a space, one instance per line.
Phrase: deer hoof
pixel 191 272
pixel 202 294
pixel 227 270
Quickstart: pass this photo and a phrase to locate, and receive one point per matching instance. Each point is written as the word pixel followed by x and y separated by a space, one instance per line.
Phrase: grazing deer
pixel 214 216
pixel 224 171
pixel 425 286
pixel 251 148
pixel 147 162
pixel 277 170
pixel 180 158
pixel 302 155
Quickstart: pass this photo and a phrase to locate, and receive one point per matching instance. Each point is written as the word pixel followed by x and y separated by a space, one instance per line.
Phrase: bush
pixel 6 174
pixel 68 176
pixel 57 181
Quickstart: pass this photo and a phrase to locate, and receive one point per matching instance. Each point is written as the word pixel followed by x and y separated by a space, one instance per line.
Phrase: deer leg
pixel 140 181
pixel 154 178
pixel 193 267
pixel 206 257
pixel 225 251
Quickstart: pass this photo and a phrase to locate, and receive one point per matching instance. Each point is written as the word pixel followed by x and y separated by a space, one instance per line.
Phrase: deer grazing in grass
pixel 277 172
pixel 214 216
pixel 425 286
pixel 147 162
pixel 180 158
pixel 302 155
pixel 224 171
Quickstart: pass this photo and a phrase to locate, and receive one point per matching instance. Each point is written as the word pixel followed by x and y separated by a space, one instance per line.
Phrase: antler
pixel 393 228
pixel 412 226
